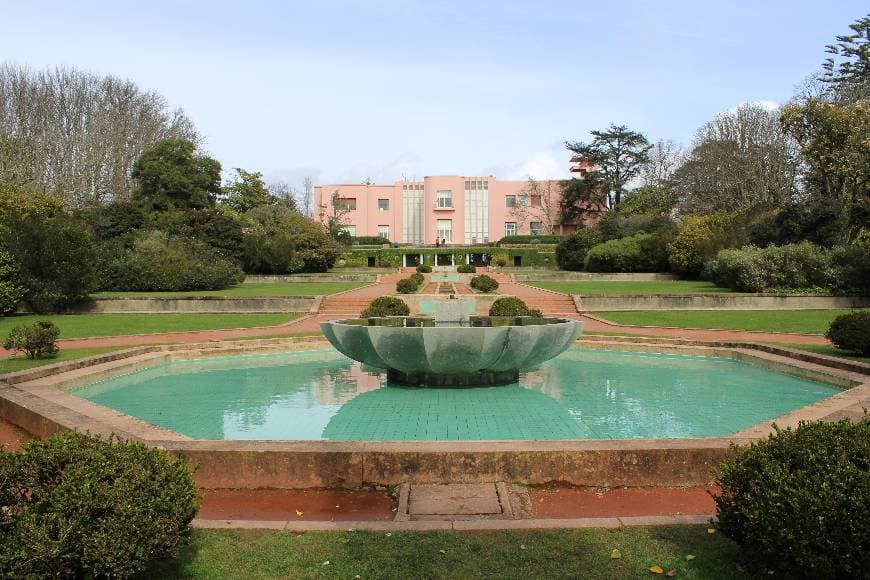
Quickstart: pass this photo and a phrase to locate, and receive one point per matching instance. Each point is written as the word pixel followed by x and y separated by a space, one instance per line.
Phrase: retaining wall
pixel 325 277
pixel 719 302
pixel 558 276
pixel 205 304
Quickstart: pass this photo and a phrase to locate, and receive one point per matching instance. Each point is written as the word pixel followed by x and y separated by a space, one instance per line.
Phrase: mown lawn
pixel 21 362
pixel 251 289
pixel 546 554
pixel 649 287
pixel 826 349
pixel 87 325
pixel 800 321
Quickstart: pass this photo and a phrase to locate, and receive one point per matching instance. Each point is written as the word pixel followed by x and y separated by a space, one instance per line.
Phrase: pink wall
pixel 367 218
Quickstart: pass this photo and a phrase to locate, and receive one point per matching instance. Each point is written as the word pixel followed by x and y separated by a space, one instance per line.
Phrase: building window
pixel 523 200
pixel 445 230
pixel 383 204
pixel 536 201
pixel 536 228
pixel 350 230
pixel 345 203
pixel 510 228
pixel 384 232
pixel 510 201
pixel 444 198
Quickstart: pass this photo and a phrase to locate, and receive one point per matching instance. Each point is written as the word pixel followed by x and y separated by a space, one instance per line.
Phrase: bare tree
pixel 307 196
pixel 84 131
pixel 664 158
pixel 739 159
pixel 542 203
pixel 284 193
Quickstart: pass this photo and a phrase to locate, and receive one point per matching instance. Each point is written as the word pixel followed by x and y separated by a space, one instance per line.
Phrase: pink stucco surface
pixel 367 216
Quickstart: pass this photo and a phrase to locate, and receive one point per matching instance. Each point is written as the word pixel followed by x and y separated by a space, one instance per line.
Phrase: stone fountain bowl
pixel 481 350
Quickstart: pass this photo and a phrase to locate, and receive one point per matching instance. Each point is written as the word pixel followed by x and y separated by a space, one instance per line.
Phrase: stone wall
pixel 718 302
pixel 207 304
pixel 563 276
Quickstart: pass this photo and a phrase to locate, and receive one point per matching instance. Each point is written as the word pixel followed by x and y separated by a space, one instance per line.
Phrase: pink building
pixel 454 208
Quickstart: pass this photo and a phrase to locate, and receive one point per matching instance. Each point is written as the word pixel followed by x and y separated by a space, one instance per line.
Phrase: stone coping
pixel 37 400
pixel 716 301
pixel 455 525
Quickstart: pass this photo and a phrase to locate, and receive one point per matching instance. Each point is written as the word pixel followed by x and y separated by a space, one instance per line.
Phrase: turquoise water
pixel 582 394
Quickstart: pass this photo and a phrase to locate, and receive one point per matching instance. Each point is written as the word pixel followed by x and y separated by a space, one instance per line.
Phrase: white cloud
pixel 763 103
pixel 549 163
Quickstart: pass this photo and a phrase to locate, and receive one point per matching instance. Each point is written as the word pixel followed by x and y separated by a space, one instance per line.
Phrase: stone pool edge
pixel 36 400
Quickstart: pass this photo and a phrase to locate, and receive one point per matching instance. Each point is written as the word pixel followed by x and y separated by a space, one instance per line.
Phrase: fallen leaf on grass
pixel 690 557
pixel 522 546
pixel 711 530
pixel 615 554
pixel 671 573
pixel 442 551
pixel 325 563
pixel 299 513
pixel 657 570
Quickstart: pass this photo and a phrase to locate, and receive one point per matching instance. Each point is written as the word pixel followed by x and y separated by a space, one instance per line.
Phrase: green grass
pixel 87 325
pixel 21 362
pixel 800 321
pixel 648 287
pixel 248 290
pixel 826 349
pixel 583 553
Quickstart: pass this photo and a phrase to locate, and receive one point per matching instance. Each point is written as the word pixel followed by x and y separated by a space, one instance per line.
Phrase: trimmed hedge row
pixel 529 239
pixel 392 257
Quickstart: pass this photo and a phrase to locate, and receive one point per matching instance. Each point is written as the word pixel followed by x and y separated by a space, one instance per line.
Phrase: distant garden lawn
pixel 583 553
pixel 646 287
pixel 251 289
pixel 87 325
pixel 800 321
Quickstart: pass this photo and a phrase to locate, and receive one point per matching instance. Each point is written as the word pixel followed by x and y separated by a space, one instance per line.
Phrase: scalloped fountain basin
pixel 470 351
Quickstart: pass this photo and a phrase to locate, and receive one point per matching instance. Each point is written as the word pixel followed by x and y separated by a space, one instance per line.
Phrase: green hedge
pixel 542 239
pixel 638 253
pixel 369 240
pixel 851 332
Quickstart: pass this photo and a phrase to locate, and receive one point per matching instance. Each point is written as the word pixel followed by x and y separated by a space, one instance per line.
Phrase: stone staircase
pixel 343 305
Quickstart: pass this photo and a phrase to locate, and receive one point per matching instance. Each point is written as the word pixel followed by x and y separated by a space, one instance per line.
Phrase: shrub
pixel 292 243
pixel 37 339
pixel 56 259
pixel 158 262
pixel 500 262
pixel 466 269
pixel 78 506
pixel 530 239
pixel 699 240
pixel 793 501
pixel 386 306
pixel 571 252
pixel 406 286
pixel 484 283
pixel 752 269
pixel 11 292
pixel 418 278
pixel 638 253
pixel 424 269
pixel 851 332
pixel 512 306
pixel 852 269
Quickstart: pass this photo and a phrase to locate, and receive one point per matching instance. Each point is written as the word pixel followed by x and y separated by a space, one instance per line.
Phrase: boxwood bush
pixel 418 278
pixel 797 502
pixel 424 269
pixel 484 283
pixel 571 252
pixel 386 306
pixel 406 286
pixel 851 332
pixel 638 253
pixel 37 340
pixel 512 306
pixel 466 268
pixel 75 506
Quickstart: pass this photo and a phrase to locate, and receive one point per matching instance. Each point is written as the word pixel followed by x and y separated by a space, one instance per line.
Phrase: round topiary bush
pixel 851 332
pixel 512 306
pixel 484 283
pixel 386 306
pixel 424 269
pixel 406 286
pixel 797 502
pixel 466 269
pixel 418 278
pixel 75 506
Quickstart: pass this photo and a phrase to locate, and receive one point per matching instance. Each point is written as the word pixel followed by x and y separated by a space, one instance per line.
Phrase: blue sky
pixel 342 91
